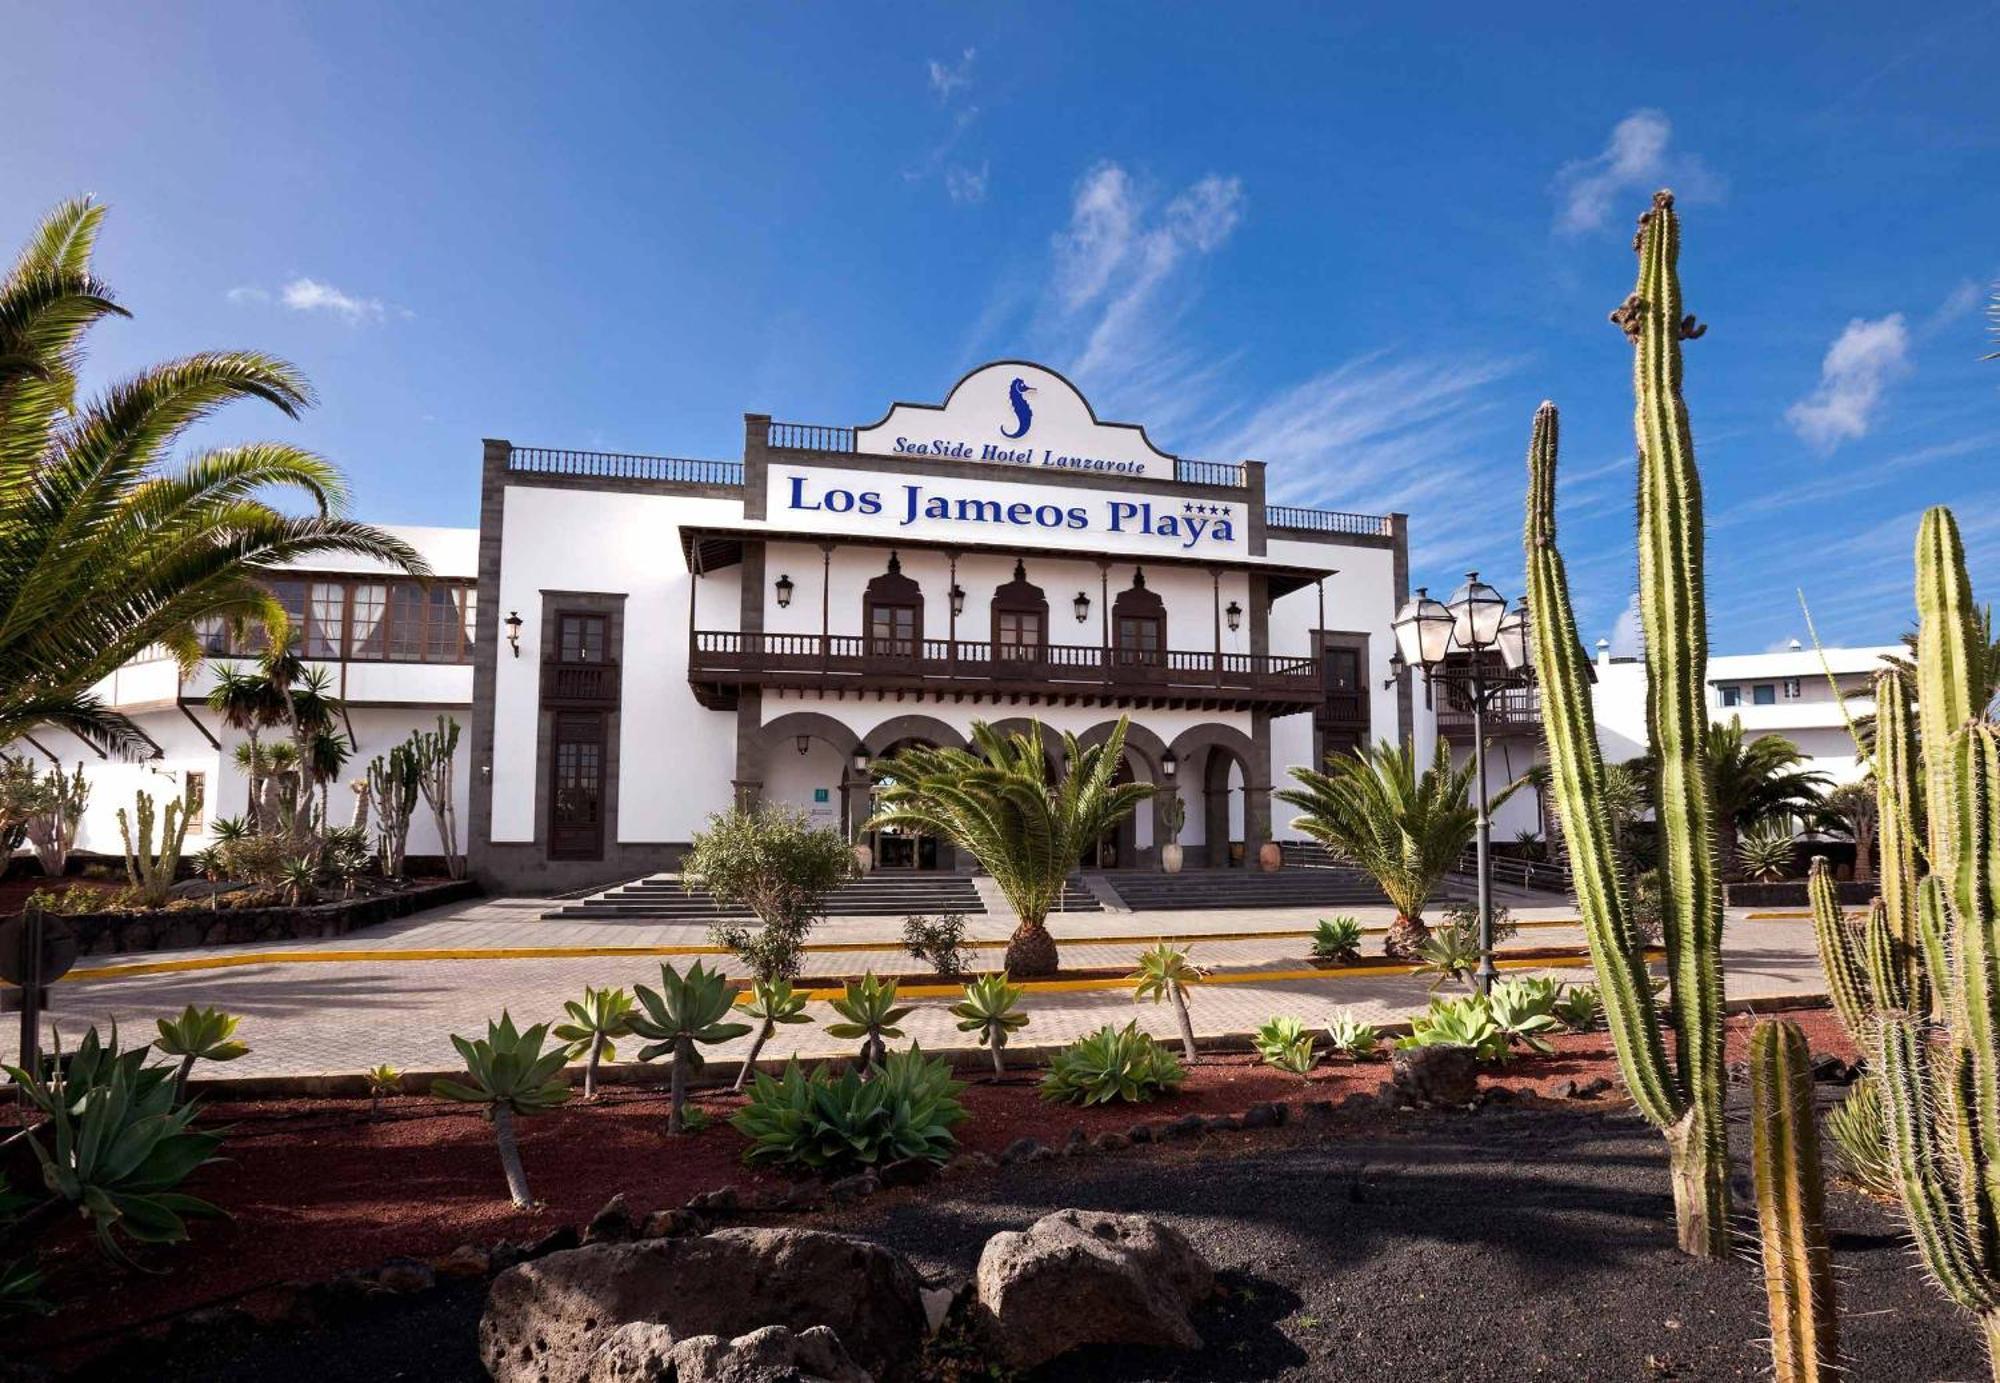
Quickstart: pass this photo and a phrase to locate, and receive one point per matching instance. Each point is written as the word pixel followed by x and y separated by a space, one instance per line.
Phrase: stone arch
pixel 1206 754
pixel 792 724
pixel 1145 749
pixel 777 738
pixel 897 729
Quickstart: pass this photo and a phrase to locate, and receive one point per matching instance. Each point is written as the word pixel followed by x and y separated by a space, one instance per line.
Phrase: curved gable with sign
pixel 1015 413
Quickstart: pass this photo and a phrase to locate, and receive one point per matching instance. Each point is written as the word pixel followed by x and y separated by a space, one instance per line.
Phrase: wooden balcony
pixel 720 662
pixel 579 686
pixel 1515 710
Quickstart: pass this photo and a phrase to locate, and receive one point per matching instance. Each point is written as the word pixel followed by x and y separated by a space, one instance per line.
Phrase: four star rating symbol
pixel 1219 510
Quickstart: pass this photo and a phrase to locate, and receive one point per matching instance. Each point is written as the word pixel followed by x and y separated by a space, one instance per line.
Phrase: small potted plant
pixel 1173 817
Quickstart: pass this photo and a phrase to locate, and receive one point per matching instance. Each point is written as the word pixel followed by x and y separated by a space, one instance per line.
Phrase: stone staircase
pixel 661 898
pixel 1329 886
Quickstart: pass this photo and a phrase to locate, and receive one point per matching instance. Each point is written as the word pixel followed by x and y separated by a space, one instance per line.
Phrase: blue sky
pixel 1359 246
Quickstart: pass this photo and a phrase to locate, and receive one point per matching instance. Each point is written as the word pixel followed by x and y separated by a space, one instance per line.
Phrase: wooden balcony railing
pixel 579 684
pixel 1514 710
pixel 720 659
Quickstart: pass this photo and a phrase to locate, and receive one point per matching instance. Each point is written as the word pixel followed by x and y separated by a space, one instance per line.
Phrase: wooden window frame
pixel 893 591
pixel 1137 605
pixel 1017 600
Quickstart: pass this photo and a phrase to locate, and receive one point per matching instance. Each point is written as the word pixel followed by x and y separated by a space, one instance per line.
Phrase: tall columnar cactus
pixel 1791 1206
pixel 392 785
pixel 152 872
pixel 1919 984
pixel 434 751
pixel 1682 1095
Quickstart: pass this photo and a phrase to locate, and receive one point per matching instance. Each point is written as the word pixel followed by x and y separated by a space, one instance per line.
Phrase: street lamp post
pixel 1475 621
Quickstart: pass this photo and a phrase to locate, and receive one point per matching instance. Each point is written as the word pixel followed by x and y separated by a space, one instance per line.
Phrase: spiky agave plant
pixel 508 1072
pixel 594 1027
pixel 991 1008
pixel 868 1006
pixel 199 1034
pixel 682 1017
pixel 1165 972
pixel 774 1004
pixel 1791 1206
pixel 1682 1095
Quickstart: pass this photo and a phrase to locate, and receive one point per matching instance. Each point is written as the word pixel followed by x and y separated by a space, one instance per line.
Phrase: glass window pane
pixel 406 622
pixel 368 635
pixel 1764 694
pixel 324 616
pixel 469 601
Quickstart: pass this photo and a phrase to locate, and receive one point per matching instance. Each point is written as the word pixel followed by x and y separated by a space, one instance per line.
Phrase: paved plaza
pixel 395 993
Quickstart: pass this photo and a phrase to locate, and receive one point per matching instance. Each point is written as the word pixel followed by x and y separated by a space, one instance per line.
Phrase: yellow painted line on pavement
pixel 235 960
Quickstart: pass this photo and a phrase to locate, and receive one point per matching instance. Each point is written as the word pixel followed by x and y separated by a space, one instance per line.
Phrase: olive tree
pixel 775 862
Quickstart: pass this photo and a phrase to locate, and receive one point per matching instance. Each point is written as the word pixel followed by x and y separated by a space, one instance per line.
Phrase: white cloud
pixel 310 295
pixel 1638 158
pixel 1964 297
pixel 247 295
pixel 948 79
pixel 1628 635
pixel 967 184
pixel 1852 378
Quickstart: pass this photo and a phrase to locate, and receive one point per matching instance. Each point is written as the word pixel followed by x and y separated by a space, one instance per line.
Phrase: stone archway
pixel 1208 754
pixel 881 742
pixel 1144 761
pixel 820 737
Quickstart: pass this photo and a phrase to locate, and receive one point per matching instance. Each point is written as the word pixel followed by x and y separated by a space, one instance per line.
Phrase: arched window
pixel 1020 620
pixel 892 611
pixel 1139 626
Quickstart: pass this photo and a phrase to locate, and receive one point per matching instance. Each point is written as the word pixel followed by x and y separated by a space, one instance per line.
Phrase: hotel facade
pixel 663 638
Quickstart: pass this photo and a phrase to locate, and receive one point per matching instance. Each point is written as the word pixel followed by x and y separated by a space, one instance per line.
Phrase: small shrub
pixel 1466 916
pixel 1350 1036
pixel 382 1081
pixel 1337 939
pixel 1450 953
pixel 686 1014
pixel 1285 1043
pixel 1463 1022
pixel 594 1025
pixel 1165 972
pixel 774 1004
pixel 509 1073
pixel 938 942
pixel 1112 1064
pixel 832 1124
pixel 1860 1140
pixel 204 1034
pixel 1579 1008
pixel 775 862
pixel 1523 1010
pixel 1766 854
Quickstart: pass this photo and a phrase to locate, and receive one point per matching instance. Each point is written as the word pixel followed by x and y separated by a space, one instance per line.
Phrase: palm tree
pixel 1757 783
pixel 1025 828
pixel 1404 828
pixel 106 546
pixel 1852 807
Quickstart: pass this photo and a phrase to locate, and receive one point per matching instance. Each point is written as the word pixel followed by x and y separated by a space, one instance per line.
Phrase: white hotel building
pixel 661 638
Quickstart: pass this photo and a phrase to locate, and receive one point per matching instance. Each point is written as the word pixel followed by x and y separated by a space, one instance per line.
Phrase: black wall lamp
pixel 514 623
pixel 1082 604
pixel 1169 765
pixel 785 589
pixel 804 743
pixel 957 599
pixel 1234 614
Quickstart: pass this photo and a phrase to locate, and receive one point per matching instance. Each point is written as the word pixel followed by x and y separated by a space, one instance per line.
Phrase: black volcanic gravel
pixel 1511 1244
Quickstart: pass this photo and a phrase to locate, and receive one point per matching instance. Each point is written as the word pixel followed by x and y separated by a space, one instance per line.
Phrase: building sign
pixel 966 510
pixel 1015 414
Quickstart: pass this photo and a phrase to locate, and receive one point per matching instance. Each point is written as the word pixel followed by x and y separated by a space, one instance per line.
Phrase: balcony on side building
pixel 1515 709
pixel 721 662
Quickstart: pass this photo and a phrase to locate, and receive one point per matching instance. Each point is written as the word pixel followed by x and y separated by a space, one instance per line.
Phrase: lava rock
pixel 1187 1126
pixel 546 1320
pixel 860 1186
pixel 721 1201
pixel 1266 1114
pixel 1831 1069
pixel 555 1241
pixel 1140 1133
pixel 669 1224
pixel 1595 1086
pixel 1223 1123
pixel 613 1224
pixel 1080 1277
pixel 1439 1076
pixel 405 1275
pixel 641 1351
pixel 467 1260
pixel 1019 1150
pixel 1111 1141
pixel 1077 1143
pixel 908 1171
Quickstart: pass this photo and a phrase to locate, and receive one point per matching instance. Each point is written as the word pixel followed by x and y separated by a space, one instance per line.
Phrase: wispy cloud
pixel 1628 632
pixel 1638 157
pixel 966 185
pixel 1120 266
pixel 1857 370
pixel 949 79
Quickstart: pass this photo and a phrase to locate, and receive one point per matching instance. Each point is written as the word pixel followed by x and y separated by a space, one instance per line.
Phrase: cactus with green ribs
pixel 1791 1206
pixel 1918 984
pixel 1681 1094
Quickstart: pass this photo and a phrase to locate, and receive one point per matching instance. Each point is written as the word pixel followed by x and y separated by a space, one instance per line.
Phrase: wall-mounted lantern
pixel 957 600
pixel 785 589
pixel 1234 614
pixel 514 623
pixel 861 761
pixel 1169 765
pixel 1082 604
pixel 804 743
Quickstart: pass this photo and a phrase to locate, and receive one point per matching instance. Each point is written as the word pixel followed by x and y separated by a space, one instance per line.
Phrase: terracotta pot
pixel 864 858
pixel 1171 857
pixel 1271 856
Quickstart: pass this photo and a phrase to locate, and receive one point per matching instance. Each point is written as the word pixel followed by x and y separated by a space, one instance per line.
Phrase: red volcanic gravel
pixel 316 1188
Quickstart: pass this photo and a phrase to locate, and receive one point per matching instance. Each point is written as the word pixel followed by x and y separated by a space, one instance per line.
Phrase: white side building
pixel 400 653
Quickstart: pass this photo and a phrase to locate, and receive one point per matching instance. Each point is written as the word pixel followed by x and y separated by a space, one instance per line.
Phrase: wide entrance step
pixel 663 898
pixel 1246 888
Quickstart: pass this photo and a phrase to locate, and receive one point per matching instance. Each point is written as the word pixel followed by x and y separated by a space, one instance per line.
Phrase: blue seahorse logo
pixel 1017 395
